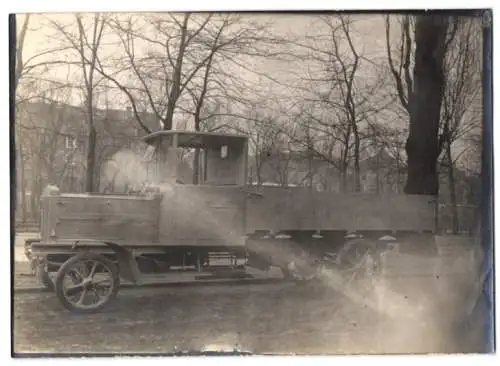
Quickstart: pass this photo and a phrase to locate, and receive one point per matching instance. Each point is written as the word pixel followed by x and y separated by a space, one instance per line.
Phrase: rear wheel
pixel 87 282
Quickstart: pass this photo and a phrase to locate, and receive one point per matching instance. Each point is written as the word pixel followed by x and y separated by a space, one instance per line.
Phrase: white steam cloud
pixel 124 170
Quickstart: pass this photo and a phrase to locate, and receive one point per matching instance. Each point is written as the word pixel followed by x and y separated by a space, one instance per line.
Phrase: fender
pixel 129 270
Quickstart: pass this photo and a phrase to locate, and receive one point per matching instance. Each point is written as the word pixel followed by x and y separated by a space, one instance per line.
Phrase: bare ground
pixel 261 318
pixel 278 318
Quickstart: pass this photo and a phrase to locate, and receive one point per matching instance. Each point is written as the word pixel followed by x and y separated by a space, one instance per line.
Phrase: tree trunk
pixel 176 80
pixel 97 175
pixel 36 187
pixel 398 173
pixel 89 174
pixel 258 169
pixel 33 199
pixel 36 195
pixel 343 180
pixel 196 161
pixel 453 193
pixel 310 168
pixel 422 145
pixel 22 183
pixel 196 166
pixel 357 177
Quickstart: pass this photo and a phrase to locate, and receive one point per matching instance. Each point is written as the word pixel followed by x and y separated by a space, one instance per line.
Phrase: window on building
pixel 70 142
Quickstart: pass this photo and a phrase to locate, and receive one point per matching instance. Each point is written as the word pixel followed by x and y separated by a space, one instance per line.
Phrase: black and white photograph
pixel 251 183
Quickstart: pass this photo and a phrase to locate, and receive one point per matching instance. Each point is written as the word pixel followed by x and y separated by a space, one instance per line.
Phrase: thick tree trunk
pixel 425 100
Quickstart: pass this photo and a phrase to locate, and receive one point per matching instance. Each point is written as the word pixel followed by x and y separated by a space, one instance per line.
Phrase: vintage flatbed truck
pixel 92 241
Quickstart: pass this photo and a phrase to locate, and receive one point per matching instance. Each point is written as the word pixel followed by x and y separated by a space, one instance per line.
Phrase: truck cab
pixel 196 158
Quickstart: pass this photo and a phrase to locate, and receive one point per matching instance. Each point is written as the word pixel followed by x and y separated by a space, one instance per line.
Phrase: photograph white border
pixel 197 5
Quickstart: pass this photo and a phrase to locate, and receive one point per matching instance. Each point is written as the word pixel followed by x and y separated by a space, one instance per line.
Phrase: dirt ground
pixel 278 318
pixel 258 318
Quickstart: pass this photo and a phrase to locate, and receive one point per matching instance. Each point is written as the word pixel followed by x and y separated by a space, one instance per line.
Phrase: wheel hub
pixel 87 283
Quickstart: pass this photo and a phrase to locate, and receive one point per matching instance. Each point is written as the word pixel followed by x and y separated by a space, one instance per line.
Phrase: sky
pixel 368 32
pixel 369 36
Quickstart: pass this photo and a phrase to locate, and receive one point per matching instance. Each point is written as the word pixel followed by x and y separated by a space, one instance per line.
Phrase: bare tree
pixel 401 66
pixel 420 87
pixel 44 130
pixel 262 134
pixel 423 144
pixel 336 85
pixel 463 87
pixel 177 64
pixel 31 84
pixel 20 66
pixel 89 82
pixel 174 37
pixel 86 47
pixel 19 146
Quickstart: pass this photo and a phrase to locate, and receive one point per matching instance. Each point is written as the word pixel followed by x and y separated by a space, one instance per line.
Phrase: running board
pixel 223 276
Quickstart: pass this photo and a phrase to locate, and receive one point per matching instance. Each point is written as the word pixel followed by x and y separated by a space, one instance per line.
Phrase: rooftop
pixel 197 138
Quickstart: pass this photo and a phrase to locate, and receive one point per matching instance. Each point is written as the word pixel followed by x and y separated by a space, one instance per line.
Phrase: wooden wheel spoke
pixel 94 290
pixel 74 272
pixel 103 281
pixel 82 296
pixel 92 271
pixel 71 290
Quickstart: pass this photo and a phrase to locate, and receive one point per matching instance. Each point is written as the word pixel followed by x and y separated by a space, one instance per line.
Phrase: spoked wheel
pixel 301 270
pixel 87 282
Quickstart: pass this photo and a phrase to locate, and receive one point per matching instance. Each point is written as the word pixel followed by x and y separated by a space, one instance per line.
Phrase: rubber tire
pixel 81 257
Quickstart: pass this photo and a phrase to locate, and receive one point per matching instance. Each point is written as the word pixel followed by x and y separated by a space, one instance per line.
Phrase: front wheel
pixel 87 282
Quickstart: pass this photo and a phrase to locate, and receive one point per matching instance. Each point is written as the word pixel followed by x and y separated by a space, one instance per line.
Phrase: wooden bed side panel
pixel 302 209
pixel 374 212
pixel 279 208
pixel 120 219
